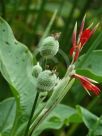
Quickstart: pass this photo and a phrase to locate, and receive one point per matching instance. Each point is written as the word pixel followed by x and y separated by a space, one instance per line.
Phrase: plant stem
pixel 26 13
pixel 3 7
pixel 32 113
pixel 47 30
pixel 40 13
pixel 64 36
pixel 72 129
pixel 51 105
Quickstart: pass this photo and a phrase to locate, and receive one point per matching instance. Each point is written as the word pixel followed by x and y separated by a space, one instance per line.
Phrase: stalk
pixel 3 8
pixel 52 103
pixel 32 113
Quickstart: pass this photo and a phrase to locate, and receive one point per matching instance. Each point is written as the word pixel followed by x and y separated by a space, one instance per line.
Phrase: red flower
pixel 83 37
pixel 87 83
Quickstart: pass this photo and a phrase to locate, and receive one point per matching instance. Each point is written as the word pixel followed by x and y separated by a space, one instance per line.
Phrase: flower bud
pixel 49 47
pixel 46 81
pixel 37 69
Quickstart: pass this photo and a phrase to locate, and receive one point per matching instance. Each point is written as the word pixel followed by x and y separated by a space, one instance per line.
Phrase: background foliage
pixel 29 20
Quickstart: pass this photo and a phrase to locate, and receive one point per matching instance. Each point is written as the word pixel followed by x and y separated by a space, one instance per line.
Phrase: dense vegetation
pixel 32 20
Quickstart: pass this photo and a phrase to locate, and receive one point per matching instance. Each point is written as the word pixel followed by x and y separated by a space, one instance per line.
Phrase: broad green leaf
pixel 88 118
pixel 92 122
pixel 56 119
pixel 16 64
pixel 98 129
pixel 93 63
pixel 7 115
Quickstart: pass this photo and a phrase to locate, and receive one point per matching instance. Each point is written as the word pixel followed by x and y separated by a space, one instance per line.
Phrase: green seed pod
pixel 46 81
pixel 49 47
pixel 37 69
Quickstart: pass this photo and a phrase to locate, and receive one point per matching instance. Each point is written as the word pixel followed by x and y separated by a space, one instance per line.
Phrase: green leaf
pixel 98 129
pixel 93 64
pixel 88 118
pixel 16 64
pixel 7 115
pixel 92 122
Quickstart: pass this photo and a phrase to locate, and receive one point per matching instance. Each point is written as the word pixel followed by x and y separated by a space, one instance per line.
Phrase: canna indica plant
pixel 30 82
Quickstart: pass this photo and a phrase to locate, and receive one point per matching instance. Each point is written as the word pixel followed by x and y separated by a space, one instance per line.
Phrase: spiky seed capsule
pixel 46 81
pixel 49 47
pixel 37 69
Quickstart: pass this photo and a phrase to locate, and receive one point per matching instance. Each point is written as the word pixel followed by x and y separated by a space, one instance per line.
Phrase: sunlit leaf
pixel 16 64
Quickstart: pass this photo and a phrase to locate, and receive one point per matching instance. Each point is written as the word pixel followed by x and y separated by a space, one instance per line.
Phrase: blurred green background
pixel 29 20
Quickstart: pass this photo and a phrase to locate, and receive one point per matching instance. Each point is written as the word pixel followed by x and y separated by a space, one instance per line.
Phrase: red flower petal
pixel 75 50
pixel 73 39
pixel 87 84
pixel 81 29
pixel 94 29
pixel 85 36
pixel 71 51
pixel 91 87
pixel 76 54
pixel 74 35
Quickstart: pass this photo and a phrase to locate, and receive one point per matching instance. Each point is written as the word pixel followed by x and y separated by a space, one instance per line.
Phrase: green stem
pixel 61 5
pixel 85 8
pixel 47 30
pixel 3 8
pixel 72 129
pixel 92 103
pixel 32 113
pixel 40 13
pixel 52 103
pixel 27 9
pixel 64 36
pixel 14 12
